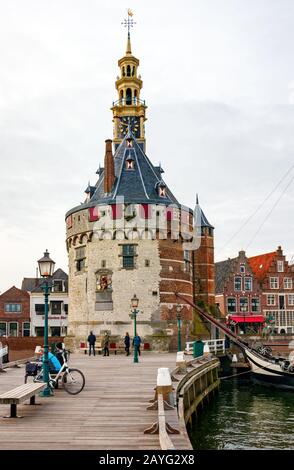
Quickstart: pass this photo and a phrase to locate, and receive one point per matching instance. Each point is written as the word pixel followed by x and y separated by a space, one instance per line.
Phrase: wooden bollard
pixel 181 361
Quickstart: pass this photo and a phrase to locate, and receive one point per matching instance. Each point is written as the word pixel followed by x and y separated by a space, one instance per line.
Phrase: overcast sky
pixel 219 85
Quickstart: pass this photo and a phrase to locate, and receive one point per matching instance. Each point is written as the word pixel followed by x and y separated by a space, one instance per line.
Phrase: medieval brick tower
pixel 132 236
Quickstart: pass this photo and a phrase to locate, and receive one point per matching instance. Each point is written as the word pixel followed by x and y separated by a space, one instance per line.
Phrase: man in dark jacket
pixel 91 341
pixel 127 342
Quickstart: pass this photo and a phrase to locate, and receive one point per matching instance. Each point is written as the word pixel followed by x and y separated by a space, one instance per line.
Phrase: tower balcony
pixel 128 102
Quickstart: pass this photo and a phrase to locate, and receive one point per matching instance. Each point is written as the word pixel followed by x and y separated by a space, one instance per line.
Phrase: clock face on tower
pixel 125 122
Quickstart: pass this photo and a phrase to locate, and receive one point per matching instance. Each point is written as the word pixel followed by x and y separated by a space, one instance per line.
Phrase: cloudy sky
pixel 219 84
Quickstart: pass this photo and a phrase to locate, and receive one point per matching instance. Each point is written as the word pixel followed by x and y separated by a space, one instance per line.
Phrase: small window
pixel 271 299
pixel 58 286
pixel 290 301
pixel 130 164
pixel 128 253
pixel 248 283
pixel 280 266
pixel 40 309
pixel 80 258
pixel 13 329
pixel 55 307
pixel 274 283
pixel 26 329
pixel 288 283
pixel 103 263
pixel 255 304
pixel 13 308
pixel 3 329
pixel 65 308
pixel 128 70
pixel 147 263
pixel 162 191
pixel 242 269
pixel 244 304
pixel 238 283
pixel 231 302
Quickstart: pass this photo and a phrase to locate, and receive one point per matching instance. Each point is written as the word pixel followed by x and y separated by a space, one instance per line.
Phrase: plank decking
pixel 110 413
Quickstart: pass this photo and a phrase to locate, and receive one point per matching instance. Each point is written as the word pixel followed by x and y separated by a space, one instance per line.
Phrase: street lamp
pixel 179 318
pixel 46 268
pixel 135 311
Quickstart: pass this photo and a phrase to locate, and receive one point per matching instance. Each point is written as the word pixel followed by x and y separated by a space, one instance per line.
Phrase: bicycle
pixel 73 380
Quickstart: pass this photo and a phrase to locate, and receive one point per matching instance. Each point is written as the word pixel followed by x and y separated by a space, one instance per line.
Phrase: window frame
pixel 15 304
pixel 235 302
pixel 268 303
pixel 26 329
pixel 274 280
pixel 288 283
pixel 246 278
pixel 280 266
pixel 17 329
pixel 241 306
pixel 253 306
pixel 235 279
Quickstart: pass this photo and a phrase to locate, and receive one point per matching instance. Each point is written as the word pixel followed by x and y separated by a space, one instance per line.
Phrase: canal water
pixel 245 416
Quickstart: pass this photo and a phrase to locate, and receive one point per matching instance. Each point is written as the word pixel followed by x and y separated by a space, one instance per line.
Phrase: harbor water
pixel 245 416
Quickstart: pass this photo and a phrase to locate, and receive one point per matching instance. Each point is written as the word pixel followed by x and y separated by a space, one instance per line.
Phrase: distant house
pixel 276 279
pixel 15 313
pixel 58 304
pixel 238 294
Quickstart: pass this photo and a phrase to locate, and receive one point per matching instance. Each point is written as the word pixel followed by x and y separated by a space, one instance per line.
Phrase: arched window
pixel 121 95
pixel 128 96
pixel 128 70
pixel 135 96
pixel 123 72
pixel 133 73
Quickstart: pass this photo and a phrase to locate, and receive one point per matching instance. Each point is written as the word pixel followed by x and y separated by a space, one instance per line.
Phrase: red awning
pixel 247 318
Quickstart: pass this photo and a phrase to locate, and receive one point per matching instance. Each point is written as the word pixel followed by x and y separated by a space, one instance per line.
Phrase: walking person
pixel 127 342
pixel 137 343
pixel 106 340
pixel 91 341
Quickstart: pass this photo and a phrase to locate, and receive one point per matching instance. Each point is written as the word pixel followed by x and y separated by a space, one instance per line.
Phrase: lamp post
pixel 135 311
pixel 179 318
pixel 46 268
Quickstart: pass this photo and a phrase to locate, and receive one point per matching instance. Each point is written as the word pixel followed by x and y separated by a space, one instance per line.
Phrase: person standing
pixel 106 344
pixel 91 341
pixel 127 342
pixel 137 343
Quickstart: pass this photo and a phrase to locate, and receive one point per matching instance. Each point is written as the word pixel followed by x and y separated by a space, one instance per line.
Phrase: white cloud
pixel 218 78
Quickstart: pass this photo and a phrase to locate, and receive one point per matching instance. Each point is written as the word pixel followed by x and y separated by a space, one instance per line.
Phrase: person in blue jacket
pixel 137 343
pixel 54 364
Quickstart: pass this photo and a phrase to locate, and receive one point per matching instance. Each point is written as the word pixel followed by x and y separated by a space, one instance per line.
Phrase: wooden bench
pixel 18 395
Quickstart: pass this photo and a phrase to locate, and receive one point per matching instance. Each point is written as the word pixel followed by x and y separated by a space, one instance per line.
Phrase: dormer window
pixel 130 164
pixel 161 189
pixel 129 142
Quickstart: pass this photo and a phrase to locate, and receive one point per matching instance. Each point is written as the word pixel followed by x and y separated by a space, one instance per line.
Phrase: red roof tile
pixel 260 264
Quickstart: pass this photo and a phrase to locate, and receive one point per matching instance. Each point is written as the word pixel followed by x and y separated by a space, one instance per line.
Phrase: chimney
pixel 108 167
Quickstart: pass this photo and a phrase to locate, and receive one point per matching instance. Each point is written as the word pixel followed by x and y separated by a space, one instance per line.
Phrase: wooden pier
pixel 110 413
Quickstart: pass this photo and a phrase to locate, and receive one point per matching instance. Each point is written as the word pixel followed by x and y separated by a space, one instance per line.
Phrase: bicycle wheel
pixel 73 381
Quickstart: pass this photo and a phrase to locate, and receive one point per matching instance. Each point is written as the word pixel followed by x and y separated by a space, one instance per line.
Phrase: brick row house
pixel 276 279
pixel 248 290
pixel 15 313
pixel 22 310
pixel 238 294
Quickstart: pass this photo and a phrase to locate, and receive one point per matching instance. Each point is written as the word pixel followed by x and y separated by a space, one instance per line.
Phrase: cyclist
pixel 54 364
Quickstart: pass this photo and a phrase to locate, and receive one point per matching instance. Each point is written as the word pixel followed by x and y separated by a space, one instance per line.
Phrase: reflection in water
pixel 245 416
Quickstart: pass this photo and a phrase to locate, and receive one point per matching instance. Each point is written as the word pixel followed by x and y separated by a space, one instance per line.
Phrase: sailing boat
pixel 266 369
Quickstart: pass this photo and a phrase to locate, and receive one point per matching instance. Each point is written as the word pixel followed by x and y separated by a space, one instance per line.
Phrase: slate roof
pixel 260 264
pixel 137 186
pixel 222 271
pixel 32 284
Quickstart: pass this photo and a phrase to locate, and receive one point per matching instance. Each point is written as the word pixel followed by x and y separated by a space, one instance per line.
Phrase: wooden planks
pixel 110 413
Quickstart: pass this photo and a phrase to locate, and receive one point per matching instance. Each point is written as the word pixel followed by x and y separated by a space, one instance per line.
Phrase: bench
pixel 18 395
pixel 85 348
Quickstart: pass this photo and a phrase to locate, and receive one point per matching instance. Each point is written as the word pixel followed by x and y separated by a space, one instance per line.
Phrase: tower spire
pixel 129 23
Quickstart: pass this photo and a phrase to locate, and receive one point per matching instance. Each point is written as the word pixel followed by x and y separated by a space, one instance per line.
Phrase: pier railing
pixel 215 346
